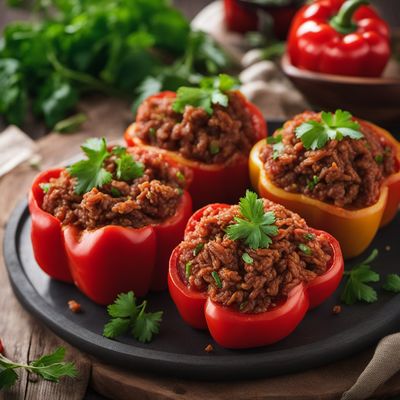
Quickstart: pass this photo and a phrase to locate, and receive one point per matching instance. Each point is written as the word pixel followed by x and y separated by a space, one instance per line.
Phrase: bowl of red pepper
pixel 336 54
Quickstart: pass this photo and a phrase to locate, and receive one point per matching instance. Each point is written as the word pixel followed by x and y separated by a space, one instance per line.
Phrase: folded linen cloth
pixel 264 84
pixel 15 148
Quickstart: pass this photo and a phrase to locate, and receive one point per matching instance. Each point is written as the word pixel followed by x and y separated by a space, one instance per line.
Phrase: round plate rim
pixel 189 366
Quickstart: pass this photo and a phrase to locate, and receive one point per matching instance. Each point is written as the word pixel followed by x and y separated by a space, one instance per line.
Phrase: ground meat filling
pixel 147 200
pixel 346 173
pixel 255 287
pixel 211 139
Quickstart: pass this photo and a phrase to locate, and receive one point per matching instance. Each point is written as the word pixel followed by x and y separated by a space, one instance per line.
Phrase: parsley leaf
pixel 128 316
pixel 128 168
pixel 211 91
pixel 257 226
pixel 50 367
pixel 392 283
pixel 314 135
pixel 277 145
pixel 356 288
pixel 90 173
pixel 146 325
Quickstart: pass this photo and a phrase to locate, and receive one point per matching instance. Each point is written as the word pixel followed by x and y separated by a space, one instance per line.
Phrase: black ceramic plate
pixel 178 349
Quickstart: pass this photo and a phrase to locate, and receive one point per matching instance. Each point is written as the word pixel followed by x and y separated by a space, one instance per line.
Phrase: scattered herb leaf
pixel 392 283
pixel 214 148
pixel 311 184
pixel 357 288
pixel 379 158
pixel 305 249
pixel 309 236
pixel 277 145
pixel 128 168
pixel 180 176
pixel 50 367
pixel 188 269
pixel 45 187
pixel 128 316
pixel 198 248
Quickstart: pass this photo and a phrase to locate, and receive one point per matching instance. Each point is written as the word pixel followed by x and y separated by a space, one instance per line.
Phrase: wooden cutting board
pixel 25 338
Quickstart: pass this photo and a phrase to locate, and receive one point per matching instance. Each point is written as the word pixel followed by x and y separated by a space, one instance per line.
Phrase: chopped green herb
pixel 180 176
pixel 247 259
pixel 127 315
pixel 90 173
pixel 314 135
pixel 152 133
pixel 309 236
pixel 356 288
pixel 188 269
pixel 311 184
pixel 198 249
pixel 214 148
pixel 305 249
pixel 217 279
pixel 50 367
pixel 115 192
pixel 392 283
pixel 70 124
pixel 128 168
pixel 45 187
pixel 379 158
pixel 257 226
pixel 119 150
pixel 277 145
pixel 211 91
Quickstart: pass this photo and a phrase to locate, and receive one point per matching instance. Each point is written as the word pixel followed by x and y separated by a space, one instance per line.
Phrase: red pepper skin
pixel 46 234
pixel 315 45
pixel 109 260
pixel 235 330
pixel 209 183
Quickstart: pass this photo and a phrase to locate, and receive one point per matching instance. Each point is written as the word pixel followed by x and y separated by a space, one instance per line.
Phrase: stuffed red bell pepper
pixel 250 272
pixel 109 222
pixel 208 129
pixel 339 37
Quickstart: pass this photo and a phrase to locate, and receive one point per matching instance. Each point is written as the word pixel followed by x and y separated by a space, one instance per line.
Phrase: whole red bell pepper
pixel 109 260
pixel 236 330
pixel 339 37
pixel 209 183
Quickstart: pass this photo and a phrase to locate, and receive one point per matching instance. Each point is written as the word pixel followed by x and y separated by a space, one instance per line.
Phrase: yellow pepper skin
pixel 354 229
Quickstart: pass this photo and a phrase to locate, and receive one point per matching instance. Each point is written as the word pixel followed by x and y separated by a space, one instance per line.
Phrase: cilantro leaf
pixel 146 325
pixel 90 173
pixel 277 145
pixel 128 316
pixel 124 306
pixel 128 168
pixel 211 91
pixel 116 327
pixel 257 226
pixel 50 367
pixel 392 283
pixel 357 288
pixel 314 135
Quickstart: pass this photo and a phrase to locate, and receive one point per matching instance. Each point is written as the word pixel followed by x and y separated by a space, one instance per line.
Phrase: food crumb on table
pixel 74 306
pixel 209 348
pixel 388 248
pixel 337 309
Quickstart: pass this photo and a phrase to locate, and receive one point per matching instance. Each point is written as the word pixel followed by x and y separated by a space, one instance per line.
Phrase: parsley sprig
pixel 211 91
pixel 91 173
pixel 257 226
pixel 277 145
pixel 357 288
pixel 50 367
pixel 128 316
pixel 314 135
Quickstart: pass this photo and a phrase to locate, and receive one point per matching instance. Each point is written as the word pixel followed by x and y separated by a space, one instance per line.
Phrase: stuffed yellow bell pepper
pixel 340 173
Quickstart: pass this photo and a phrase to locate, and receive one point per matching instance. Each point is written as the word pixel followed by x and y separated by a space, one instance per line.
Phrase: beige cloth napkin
pixel 15 148
pixel 265 85
pixel 384 364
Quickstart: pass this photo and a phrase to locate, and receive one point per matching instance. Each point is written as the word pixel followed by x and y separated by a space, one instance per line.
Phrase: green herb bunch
pixel 129 48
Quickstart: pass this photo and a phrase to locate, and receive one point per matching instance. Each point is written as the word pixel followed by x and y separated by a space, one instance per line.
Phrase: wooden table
pixel 25 338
